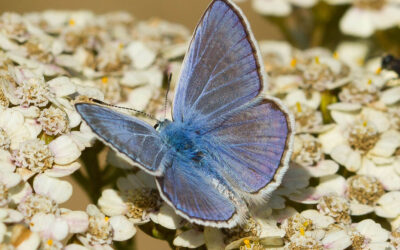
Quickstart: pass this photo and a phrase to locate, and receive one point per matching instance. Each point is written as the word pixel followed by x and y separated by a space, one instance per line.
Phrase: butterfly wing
pixel 221 71
pixel 254 147
pixel 135 140
pixel 195 196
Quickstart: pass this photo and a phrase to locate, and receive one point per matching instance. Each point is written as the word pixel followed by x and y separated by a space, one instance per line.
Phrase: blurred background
pixel 186 12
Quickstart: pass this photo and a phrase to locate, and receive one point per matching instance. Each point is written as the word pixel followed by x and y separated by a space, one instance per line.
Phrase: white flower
pixel 137 198
pixel 103 230
pixel 328 185
pixel 336 207
pixel 358 136
pixel 374 236
pixel 141 56
pixel 365 17
pixel 258 231
pixel 279 7
pixel 363 192
pixel 190 239
pixel 53 121
pixel 34 155
pixel 16 127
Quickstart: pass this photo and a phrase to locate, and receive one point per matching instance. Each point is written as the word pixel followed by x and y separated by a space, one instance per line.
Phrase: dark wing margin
pixel 134 140
pixel 221 71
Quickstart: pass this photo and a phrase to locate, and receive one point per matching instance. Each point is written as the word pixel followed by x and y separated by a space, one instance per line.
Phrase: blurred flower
pixel 366 16
pixel 279 7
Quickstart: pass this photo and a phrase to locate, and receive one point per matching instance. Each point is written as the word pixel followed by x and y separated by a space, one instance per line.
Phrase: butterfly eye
pixel 156 126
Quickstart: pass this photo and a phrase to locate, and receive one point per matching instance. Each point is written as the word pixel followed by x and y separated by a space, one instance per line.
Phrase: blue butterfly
pixel 228 145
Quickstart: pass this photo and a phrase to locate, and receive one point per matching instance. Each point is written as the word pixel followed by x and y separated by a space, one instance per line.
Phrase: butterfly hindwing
pixel 221 71
pixel 136 140
pixel 195 197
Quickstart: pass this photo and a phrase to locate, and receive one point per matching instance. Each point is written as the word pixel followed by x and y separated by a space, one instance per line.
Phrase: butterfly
pixel 228 145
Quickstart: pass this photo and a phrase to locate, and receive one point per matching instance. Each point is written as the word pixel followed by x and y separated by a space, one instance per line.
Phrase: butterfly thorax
pixel 185 142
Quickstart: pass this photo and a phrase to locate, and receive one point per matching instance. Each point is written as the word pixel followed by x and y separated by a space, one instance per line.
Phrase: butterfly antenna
pixel 131 109
pixel 166 95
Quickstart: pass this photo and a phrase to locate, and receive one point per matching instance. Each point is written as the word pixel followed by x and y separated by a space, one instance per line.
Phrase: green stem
pixel 92 167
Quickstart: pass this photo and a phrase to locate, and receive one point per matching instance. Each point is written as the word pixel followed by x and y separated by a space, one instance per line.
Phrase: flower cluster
pixel 362 18
pixel 47 60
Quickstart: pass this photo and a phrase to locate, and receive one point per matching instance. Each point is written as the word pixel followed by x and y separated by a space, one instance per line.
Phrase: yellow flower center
pixel 246 242
pixel 71 22
pixel 50 242
pixel 298 106
pixel 104 79
pixel 293 62
pixel 335 55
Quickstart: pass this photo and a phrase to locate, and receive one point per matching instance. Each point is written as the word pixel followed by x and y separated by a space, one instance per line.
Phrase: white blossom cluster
pixel 342 189
pixel 361 19
pixel 47 60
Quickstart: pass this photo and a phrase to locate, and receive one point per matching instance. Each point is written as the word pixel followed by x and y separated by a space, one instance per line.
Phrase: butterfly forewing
pixel 136 140
pixel 221 69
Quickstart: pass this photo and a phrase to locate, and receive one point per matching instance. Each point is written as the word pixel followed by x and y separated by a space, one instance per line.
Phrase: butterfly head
pixel 162 124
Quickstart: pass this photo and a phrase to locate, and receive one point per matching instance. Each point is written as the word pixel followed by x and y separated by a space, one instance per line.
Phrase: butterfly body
pixel 228 145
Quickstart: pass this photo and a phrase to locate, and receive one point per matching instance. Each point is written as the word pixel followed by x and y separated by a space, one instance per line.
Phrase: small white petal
pixel 331 138
pixel 373 231
pixel 344 118
pixel 319 220
pixel 123 229
pixel 140 97
pixel 61 86
pixel 20 192
pixel 9 179
pixel 388 205
pixel 323 168
pixel 346 107
pixel 299 96
pixel 387 175
pixel 167 217
pixel 358 209
pixel 111 203
pixel 378 118
pixel 78 221
pixel 272 7
pixel 29 112
pixel 62 170
pixel 387 144
pixel 58 190
pixel 6 164
pixel 64 150
pixel 337 240
pixel 31 242
pixel 190 239
pixel 13 216
pixel 357 22
pixel 141 56
pixel 390 96
pixel 346 156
